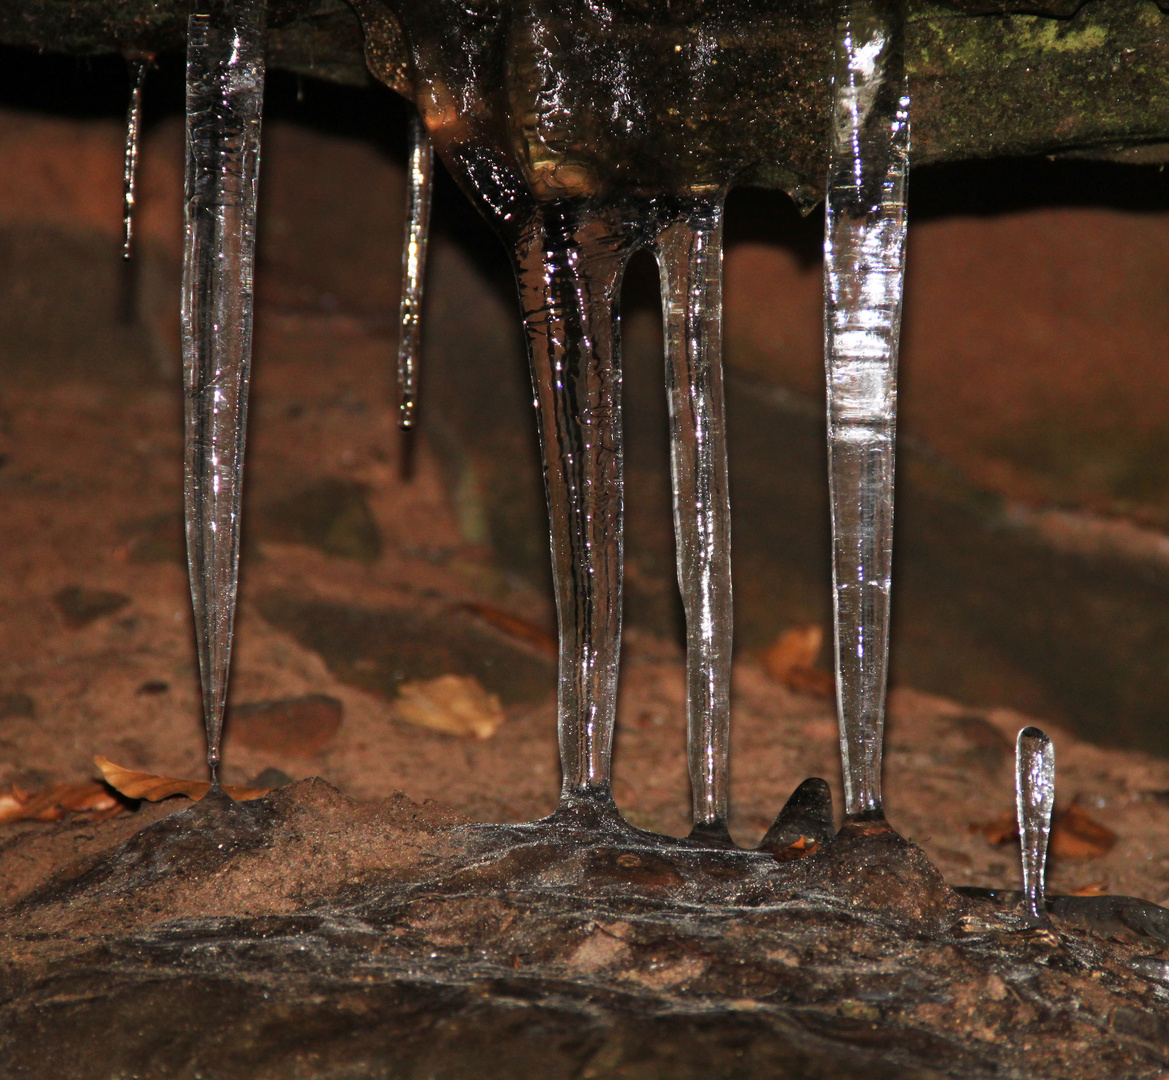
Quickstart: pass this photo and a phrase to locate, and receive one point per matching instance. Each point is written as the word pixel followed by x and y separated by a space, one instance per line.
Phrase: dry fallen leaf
pixel 140 785
pixel 1091 890
pixel 1074 834
pixel 454 704
pixel 515 627
pixel 796 850
pixel 90 802
pixel 1002 830
pixel 791 659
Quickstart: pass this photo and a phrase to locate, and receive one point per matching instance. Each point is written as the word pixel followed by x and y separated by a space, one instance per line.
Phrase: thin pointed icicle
pixel 140 64
pixel 864 258
pixel 689 253
pixel 225 89
pixel 1034 802
pixel 569 265
pixel 420 184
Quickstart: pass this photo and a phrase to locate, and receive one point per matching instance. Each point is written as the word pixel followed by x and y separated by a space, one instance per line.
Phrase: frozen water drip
pixel 864 265
pixel 689 254
pixel 570 261
pixel 140 64
pixel 419 188
pixel 1034 802
pixel 225 90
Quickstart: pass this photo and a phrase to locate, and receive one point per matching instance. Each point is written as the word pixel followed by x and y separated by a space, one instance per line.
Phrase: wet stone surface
pixel 308 935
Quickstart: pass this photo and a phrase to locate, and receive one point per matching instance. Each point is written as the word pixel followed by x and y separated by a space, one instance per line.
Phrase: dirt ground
pixel 91 481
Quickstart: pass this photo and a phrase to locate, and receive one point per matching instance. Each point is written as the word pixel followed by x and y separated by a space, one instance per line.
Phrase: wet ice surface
pixel 857 956
pixel 864 253
pixel 689 253
pixel 225 92
pixel 139 66
pixel 569 263
pixel 419 192
pixel 1034 801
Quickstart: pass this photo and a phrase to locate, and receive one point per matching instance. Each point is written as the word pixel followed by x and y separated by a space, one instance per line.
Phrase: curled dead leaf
pixel 454 704
pixel 140 785
pixel 89 801
pixel 791 659
pixel 515 627
pixel 1076 835
pixel 796 850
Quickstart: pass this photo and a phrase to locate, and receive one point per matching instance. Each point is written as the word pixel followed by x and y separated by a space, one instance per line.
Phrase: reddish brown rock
pixel 295 727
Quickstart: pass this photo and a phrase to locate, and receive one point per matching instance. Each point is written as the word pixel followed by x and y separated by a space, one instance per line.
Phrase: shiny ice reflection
pixel 225 89
pixel 864 256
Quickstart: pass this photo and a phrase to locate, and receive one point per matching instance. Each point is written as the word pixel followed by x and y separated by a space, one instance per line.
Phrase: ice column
pixel 139 66
pixel 864 252
pixel 569 265
pixel 689 254
pixel 225 88
pixel 420 182
pixel 1034 802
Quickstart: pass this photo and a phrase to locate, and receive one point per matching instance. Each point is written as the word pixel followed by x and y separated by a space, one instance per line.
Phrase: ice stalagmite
pixel 570 261
pixel 139 65
pixel 225 88
pixel 1034 802
pixel 420 182
pixel 689 253
pixel 864 252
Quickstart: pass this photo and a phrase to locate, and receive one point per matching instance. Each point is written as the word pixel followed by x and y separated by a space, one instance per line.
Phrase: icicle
pixel 864 248
pixel 569 265
pixel 689 253
pixel 1034 802
pixel 420 183
pixel 140 64
pixel 225 89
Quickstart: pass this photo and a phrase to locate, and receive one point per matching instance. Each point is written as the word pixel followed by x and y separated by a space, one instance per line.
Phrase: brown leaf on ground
pixel 815 682
pixel 1002 830
pixel 90 802
pixel 515 627
pixel 797 850
pixel 453 704
pixel 1091 890
pixel 140 785
pixel 791 659
pixel 1074 834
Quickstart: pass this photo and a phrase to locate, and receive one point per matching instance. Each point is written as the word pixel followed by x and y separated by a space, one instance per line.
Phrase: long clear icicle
pixel 864 256
pixel 1034 802
pixel 419 187
pixel 569 265
pixel 225 89
pixel 689 253
pixel 139 66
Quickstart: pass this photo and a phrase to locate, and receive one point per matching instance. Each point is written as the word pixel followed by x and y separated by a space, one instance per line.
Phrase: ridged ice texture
pixel 864 255
pixel 419 186
pixel 569 263
pixel 225 89
pixel 139 66
pixel 689 254
pixel 1034 802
